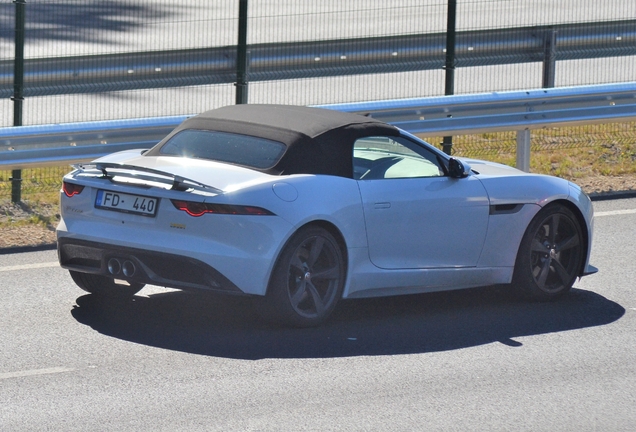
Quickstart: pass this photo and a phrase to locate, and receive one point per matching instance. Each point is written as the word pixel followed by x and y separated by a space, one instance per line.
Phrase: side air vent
pixel 505 209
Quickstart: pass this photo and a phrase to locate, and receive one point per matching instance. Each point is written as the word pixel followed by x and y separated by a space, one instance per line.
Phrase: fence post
pixel 549 65
pixel 18 85
pixel 449 85
pixel 241 55
pixel 549 59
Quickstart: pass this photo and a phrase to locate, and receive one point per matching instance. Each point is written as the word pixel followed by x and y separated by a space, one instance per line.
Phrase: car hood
pixel 486 168
pixel 225 177
pixel 508 185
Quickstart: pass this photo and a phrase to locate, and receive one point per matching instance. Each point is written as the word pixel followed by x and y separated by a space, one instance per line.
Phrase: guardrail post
pixel 241 55
pixel 449 85
pixel 523 150
pixel 18 85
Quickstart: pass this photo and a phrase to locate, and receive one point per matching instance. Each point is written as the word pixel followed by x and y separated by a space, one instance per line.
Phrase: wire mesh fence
pixel 598 149
pixel 87 40
pixel 38 184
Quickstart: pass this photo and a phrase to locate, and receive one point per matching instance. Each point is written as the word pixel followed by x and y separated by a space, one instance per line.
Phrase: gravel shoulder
pixel 25 226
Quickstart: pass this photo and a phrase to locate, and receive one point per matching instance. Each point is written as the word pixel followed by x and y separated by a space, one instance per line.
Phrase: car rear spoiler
pixel 108 171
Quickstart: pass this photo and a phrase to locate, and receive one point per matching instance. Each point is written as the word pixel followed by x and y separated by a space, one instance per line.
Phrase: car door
pixel 415 215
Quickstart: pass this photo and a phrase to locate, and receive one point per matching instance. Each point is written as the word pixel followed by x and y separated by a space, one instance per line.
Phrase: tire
pixel 307 281
pixel 551 254
pixel 104 286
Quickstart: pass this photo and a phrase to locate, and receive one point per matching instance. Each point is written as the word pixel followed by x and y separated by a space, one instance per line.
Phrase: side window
pixel 392 157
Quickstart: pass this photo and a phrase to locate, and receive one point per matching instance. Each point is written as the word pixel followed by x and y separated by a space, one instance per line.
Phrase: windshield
pixel 236 149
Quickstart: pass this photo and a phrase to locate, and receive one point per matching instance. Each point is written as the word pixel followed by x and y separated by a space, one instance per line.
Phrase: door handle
pixel 381 205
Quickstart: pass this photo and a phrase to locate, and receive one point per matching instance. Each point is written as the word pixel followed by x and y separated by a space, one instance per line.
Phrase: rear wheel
pixel 307 281
pixel 551 253
pixel 104 286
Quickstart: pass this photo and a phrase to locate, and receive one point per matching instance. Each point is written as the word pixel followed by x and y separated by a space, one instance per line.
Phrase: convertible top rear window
pixel 232 148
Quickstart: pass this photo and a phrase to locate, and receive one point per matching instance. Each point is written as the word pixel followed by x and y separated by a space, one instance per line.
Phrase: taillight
pixel 71 189
pixel 197 209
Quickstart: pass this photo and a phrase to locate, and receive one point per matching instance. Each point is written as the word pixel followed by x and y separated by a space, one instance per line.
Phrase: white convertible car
pixel 299 207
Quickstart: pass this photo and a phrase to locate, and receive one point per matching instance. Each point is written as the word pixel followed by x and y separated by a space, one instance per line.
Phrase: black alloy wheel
pixel 551 254
pixel 307 281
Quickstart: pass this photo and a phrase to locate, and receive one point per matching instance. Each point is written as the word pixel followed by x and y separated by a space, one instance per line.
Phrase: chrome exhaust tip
pixel 114 266
pixel 129 268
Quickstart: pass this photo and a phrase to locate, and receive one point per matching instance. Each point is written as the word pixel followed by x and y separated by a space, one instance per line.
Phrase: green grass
pixel 572 153
pixel 40 197
pixel 39 184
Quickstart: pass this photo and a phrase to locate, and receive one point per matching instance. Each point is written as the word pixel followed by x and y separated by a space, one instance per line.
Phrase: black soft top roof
pixel 318 141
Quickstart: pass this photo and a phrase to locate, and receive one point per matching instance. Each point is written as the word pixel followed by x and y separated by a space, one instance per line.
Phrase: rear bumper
pixel 142 266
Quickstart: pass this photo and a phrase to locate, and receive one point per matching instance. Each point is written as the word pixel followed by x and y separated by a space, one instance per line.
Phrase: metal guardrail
pixel 160 69
pixel 504 111
pixel 518 111
pixel 57 144
pixel 32 146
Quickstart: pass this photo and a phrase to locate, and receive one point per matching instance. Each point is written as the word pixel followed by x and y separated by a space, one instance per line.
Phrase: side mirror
pixel 458 169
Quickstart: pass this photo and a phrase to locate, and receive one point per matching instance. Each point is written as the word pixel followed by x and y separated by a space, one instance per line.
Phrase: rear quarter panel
pixel 302 199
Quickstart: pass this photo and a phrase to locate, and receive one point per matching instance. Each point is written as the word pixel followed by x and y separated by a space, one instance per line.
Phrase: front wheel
pixel 551 254
pixel 307 281
pixel 104 286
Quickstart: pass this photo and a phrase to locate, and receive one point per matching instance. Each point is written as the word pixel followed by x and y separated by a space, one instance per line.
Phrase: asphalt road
pixel 469 360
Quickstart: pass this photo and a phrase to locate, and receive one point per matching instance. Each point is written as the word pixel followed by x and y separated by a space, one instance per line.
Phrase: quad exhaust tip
pixel 116 266
pixel 128 267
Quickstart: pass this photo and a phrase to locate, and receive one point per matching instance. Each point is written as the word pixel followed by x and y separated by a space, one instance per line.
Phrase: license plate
pixel 127 203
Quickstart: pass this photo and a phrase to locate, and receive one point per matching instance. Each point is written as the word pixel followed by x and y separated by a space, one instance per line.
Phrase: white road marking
pixel 614 213
pixel 34 372
pixel 30 266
